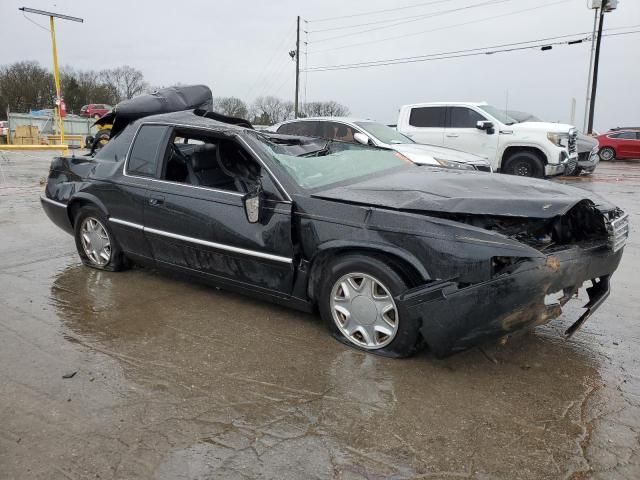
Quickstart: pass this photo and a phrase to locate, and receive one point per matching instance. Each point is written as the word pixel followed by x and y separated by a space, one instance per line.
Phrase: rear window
pixel 148 145
pixel 427 117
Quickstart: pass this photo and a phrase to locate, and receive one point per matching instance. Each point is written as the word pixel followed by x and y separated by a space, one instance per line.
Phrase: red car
pixel 95 110
pixel 619 144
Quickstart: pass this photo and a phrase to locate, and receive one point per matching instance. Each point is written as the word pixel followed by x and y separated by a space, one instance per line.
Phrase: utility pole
pixel 606 6
pixel 593 47
pixel 296 109
pixel 56 71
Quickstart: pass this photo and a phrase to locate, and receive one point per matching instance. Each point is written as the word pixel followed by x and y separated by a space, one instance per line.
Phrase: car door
pixel 426 125
pixel 204 229
pixel 125 194
pixel 461 132
pixel 636 146
pixel 627 144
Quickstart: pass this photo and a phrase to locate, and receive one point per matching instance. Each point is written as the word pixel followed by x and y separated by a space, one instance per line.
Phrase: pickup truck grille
pixel 572 144
pixel 618 231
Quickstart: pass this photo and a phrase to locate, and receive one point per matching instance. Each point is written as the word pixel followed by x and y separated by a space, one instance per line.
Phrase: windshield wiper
pixel 320 152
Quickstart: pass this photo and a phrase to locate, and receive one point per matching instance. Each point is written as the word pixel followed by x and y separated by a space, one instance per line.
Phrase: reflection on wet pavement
pixel 180 381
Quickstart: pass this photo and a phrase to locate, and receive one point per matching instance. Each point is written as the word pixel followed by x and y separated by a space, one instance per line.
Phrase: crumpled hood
pixel 438 190
pixel 425 154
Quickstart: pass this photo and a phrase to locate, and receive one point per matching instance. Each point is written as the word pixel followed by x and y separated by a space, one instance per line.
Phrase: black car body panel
pixel 481 251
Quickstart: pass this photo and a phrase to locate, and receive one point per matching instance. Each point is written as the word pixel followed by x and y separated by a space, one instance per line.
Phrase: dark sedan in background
pixel 392 254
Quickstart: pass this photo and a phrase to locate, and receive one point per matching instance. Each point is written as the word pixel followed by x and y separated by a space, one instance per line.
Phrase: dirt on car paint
pixel 179 380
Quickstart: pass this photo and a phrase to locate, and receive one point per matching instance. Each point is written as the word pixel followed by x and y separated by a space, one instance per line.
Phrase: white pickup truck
pixel 531 149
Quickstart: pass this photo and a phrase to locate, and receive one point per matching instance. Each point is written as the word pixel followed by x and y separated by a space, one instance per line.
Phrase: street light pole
pixel 593 46
pixel 594 83
pixel 56 77
pixel 296 110
pixel 56 72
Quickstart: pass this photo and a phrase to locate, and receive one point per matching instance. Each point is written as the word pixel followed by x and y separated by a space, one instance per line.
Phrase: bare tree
pixel 231 106
pixel 25 86
pixel 269 110
pixel 125 82
pixel 330 108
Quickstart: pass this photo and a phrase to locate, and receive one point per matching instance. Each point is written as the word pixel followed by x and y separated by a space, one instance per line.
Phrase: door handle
pixel 156 200
pixel 452 135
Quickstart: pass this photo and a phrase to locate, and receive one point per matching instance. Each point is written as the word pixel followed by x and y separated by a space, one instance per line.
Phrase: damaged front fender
pixel 453 318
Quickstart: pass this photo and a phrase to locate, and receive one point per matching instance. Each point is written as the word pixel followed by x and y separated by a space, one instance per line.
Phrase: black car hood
pixel 475 193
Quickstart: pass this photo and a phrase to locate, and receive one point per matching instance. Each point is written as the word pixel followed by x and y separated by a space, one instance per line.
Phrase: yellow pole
pixel 56 76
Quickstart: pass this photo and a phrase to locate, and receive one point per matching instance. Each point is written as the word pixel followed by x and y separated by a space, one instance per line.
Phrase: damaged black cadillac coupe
pixel 392 254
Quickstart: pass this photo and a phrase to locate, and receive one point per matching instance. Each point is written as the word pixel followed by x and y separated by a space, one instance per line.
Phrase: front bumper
pixel 453 319
pixel 552 169
pixel 589 163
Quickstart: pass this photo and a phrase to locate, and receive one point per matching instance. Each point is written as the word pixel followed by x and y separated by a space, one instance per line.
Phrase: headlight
pixel 454 164
pixel 557 138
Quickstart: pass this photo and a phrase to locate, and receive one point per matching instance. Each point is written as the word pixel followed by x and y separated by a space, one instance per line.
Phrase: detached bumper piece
pixel 454 318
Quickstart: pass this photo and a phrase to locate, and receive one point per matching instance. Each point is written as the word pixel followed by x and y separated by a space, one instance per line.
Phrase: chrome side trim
pixel 53 202
pixel 220 246
pixel 126 224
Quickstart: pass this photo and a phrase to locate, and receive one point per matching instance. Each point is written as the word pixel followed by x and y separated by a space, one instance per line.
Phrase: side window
pixel 427 117
pixel 202 160
pixel 462 117
pixel 289 128
pixel 628 135
pixel 338 131
pixel 145 154
pixel 305 129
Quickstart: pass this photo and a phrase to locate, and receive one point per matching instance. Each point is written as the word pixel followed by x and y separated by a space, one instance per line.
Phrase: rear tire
pixel 524 164
pixel 607 154
pixel 357 304
pixel 96 244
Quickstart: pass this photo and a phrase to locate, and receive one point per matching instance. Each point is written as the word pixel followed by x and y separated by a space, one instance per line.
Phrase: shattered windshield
pixel 317 163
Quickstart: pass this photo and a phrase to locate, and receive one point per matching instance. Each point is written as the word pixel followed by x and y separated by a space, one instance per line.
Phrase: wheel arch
pixel 403 263
pixel 80 200
pixel 512 149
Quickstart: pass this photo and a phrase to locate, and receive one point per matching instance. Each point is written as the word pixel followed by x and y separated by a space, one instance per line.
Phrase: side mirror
pixel 253 205
pixel 361 138
pixel 486 126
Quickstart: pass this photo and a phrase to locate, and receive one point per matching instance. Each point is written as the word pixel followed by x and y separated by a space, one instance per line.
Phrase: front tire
pixel 357 305
pixel 524 164
pixel 95 241
pixel 607 154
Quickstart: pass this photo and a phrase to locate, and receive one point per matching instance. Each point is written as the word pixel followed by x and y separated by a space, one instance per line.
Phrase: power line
pixel 460 53
pixel 268 70
pixel 415 5
pixel 369 42
pixel 415 18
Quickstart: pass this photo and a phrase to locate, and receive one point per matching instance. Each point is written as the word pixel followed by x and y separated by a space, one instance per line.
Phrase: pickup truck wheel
pixel 607 154
pixel 524 164
pixel 357 304
pixel 95 242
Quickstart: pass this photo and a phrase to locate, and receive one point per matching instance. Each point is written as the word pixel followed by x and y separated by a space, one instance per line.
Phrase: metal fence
pixel 72 125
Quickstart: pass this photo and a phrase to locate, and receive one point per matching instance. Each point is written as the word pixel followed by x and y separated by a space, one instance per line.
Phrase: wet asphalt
pixel 170 379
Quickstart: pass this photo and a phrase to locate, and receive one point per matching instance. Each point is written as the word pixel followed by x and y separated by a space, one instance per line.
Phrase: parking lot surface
pixel 170 379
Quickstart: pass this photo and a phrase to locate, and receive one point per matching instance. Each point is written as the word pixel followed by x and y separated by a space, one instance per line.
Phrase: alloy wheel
pixel 364 311
pixel 523 169
pixel 95 241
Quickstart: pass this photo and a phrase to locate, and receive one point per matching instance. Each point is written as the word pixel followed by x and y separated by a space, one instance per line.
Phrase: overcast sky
pixel 239 48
